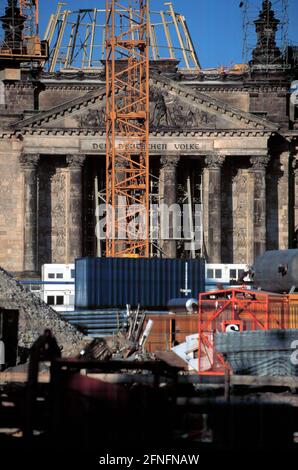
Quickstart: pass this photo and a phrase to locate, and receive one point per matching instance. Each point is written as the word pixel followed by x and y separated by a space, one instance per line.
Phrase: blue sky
pixel 215 25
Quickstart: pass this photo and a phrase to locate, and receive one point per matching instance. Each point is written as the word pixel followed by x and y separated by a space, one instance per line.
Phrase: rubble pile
pixel 35 316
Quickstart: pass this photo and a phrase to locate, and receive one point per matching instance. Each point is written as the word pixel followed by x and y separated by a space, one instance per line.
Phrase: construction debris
pixel 188 351
pixel 128 342
pixel 97 349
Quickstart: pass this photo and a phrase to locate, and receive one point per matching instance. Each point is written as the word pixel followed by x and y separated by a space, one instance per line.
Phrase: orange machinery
pixel 292 301
pixel 239 310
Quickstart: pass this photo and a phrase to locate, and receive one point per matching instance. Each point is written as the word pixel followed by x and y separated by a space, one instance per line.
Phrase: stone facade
pixel 11 206
pixel 232 129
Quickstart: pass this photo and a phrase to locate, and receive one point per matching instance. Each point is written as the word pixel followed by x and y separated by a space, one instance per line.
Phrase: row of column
pixel 212 202
pixel 29 164
pixel 168 195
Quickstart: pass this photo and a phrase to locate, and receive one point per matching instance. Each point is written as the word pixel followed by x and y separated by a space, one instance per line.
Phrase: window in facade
pixel 59 300
pixel 218 273
pixel 51 300
pixel 233 273
pixel 210 273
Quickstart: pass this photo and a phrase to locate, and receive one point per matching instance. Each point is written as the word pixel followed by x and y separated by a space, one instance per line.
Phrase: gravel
pixel 35 316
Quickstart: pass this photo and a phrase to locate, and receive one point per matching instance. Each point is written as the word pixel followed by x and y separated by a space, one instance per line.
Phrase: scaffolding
pixel 275 11
pixel 77 38
pixel 127 128
pixel 30 10
pixel 19 37
pixel 189 242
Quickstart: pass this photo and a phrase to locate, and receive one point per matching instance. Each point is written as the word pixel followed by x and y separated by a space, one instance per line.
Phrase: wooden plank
pixel 21 377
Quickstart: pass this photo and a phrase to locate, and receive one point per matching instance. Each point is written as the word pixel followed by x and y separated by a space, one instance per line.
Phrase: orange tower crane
pixel 127 128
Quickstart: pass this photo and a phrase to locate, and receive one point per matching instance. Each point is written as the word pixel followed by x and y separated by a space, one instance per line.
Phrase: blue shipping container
pixel 115 282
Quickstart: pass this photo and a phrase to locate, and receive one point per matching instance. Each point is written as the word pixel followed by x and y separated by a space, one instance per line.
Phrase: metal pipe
pixel 49 26
pixel 103 43
pixel 168 36
pixel 173 14
pixel 97 231
pixel 191 48
pixel 59 40
pixel 84 45
pixel 131 24
pixel 155 41
pixel 52 25
pixel 69 47
pixel 76 30
pixel 37 16
pixel 190 215
pixel 151 39
pixel 92 37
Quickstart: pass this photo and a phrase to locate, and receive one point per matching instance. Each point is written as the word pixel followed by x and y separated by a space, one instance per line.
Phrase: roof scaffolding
pixel 77 38
pixel 19 32
pixel 265 28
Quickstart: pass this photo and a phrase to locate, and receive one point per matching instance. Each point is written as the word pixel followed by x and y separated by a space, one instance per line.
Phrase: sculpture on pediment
pixel 171 112
pixel 178 114
pixel 199 119
pixel 158 111
pixel 93 118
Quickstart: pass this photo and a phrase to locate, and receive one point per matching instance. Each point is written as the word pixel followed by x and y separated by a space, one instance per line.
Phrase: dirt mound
pixel 35 316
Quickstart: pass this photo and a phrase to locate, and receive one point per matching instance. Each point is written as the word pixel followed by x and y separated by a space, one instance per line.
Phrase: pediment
pixel 187 109
pixel 173 107
pixel 87 111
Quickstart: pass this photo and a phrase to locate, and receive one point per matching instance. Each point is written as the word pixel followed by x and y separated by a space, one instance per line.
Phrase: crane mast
pixel 127 128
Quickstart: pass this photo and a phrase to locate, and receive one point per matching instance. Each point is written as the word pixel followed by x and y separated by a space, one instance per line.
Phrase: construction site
pixel 148 234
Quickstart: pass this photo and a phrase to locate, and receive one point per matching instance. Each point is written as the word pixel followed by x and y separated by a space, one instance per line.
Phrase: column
pixel 295 190
pixel 75 207
pixel 212 209
pixel 284 217
pixel 29 164
pixel 168 197
pixel 257 207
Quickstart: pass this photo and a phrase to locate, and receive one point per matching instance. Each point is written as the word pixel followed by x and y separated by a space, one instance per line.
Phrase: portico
pixel 211 153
